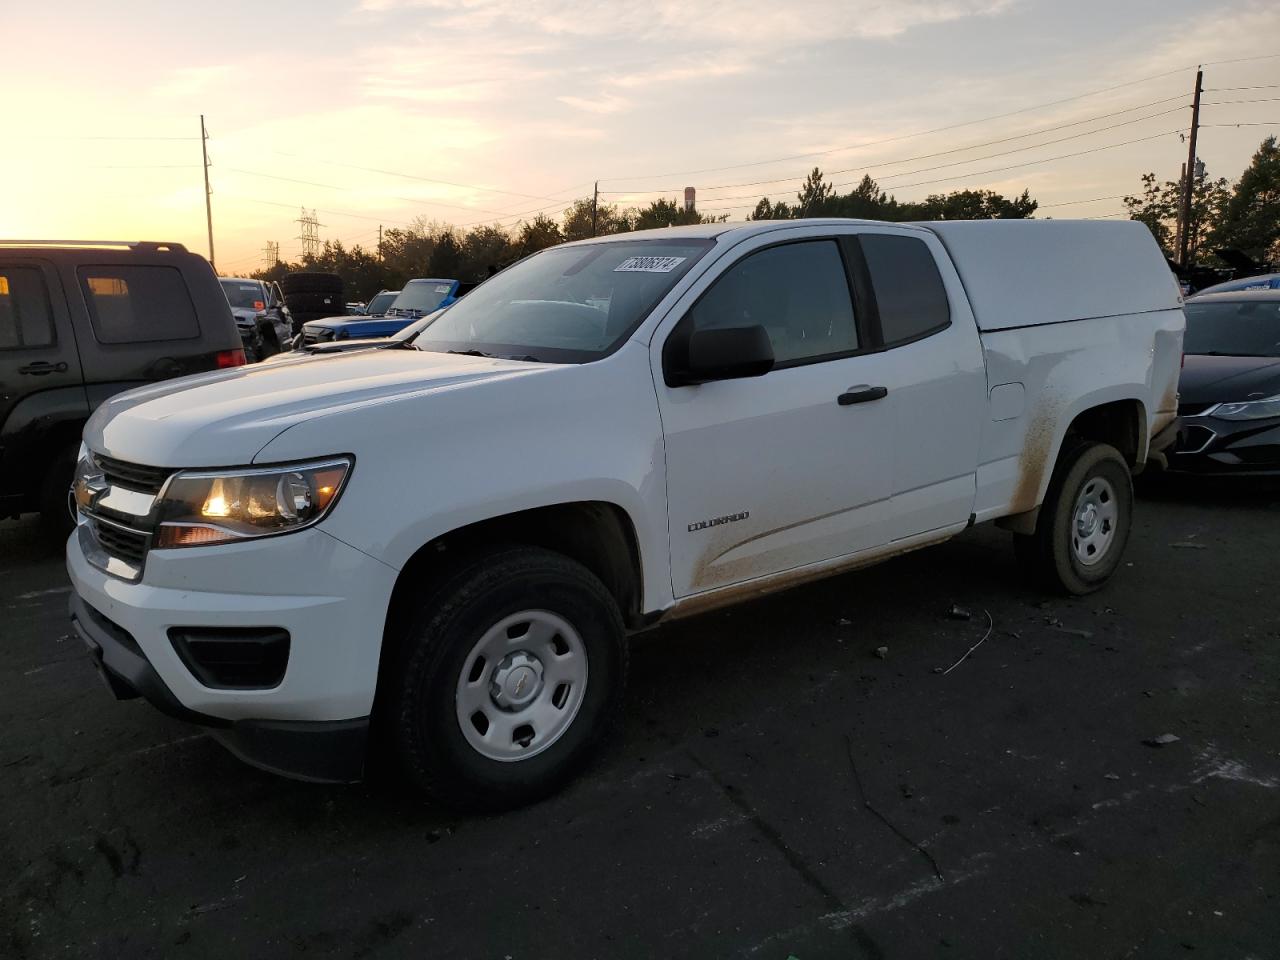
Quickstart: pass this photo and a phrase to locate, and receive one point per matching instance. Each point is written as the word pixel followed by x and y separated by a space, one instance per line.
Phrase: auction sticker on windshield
pixel 649 264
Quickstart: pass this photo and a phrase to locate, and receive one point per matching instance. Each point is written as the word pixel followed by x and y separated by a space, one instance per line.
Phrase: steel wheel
pixel 1093 521
pixel 521 685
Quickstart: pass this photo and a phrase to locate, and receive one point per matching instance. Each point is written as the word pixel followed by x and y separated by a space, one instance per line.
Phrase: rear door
pixel 142 318
pixel 41 389
pixel 37 346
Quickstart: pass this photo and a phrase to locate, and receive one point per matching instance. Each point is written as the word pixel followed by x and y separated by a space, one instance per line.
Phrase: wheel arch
pixel 1118 418
pixel 596 533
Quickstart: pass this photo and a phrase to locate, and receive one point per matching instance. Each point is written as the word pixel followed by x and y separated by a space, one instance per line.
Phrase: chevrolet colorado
pixel 442 543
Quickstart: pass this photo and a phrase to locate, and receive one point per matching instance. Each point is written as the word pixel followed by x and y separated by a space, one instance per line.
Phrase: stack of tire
pixel 313 296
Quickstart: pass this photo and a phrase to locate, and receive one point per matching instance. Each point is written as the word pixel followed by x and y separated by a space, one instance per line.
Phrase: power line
pixel 1068 203
pixel 909 136
pixel 1245 123
pixel 411 176
pixel 980 173
pixel 1224 103
pixel 1265 86
pixel 943 153
pixel 330 213
pixel 1032 163
pixel 134 139
pixel 335 186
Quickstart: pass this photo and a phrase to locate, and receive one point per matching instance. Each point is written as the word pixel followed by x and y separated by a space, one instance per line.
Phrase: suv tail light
pixel 229 358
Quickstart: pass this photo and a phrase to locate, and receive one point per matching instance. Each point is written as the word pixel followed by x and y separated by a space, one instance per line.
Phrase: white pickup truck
pixel 442 542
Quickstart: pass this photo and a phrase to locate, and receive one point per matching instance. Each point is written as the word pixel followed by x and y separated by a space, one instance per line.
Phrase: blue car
pixel 419 297
pixel 1267 281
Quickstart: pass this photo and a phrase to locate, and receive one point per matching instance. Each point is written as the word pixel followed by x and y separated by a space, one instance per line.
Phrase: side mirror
pixel 726 353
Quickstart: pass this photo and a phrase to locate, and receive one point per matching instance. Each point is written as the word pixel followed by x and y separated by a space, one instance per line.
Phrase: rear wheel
pixel 1084 522
pixel 511 676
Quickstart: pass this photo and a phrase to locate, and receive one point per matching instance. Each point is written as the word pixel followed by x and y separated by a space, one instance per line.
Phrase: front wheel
pixel 1084 522
pixel 511 676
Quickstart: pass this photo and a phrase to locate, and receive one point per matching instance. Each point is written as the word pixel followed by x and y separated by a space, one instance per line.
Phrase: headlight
pixel 1246 410
pixel 207 506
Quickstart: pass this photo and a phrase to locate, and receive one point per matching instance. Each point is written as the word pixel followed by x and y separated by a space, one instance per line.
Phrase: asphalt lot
pixel 726 819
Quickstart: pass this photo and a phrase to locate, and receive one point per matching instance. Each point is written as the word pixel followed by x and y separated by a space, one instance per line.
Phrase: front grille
pixel 132 475
pixel 129 545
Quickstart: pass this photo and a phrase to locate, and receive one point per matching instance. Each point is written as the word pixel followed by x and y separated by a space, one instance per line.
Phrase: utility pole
pixel 1182 187
pixel 271 254
pixel 595 204
pixel 1188 179
pixel 208 203
pixel 379 241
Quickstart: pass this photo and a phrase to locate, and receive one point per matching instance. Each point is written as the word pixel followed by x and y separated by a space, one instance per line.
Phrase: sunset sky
pixel 483 111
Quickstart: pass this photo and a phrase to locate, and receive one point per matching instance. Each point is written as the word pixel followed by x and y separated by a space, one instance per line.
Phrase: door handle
pixel 42 367
pixel 862 394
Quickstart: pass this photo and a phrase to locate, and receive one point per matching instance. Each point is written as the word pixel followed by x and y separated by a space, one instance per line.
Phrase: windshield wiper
pixel 471 353
pixel 398 345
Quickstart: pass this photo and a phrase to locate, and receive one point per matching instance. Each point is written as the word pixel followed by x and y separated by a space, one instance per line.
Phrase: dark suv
pixel 80 322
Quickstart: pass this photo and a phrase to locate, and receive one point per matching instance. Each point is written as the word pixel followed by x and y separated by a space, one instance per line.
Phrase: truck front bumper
pixel 330 598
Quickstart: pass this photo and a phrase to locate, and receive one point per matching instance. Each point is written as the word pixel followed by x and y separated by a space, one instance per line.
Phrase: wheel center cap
pixel 517 680
pixel 1087 521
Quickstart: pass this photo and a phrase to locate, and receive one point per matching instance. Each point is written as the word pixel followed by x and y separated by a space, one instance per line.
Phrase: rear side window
pixel 138 304
pixel 25 322
pixel 909 291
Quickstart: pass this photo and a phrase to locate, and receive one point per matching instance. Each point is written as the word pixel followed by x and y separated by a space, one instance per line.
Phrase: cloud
pixel 605 103
pixel 191 81
pixel 757 22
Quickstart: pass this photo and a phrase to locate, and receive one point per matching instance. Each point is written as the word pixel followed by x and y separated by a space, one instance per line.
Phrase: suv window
pixel 25 321
pixel 137 304
pixel 909 291
pixel 799 292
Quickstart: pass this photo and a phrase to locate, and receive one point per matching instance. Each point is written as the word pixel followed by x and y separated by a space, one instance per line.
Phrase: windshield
pixel 420 296
pixel 244 294
pixel 378 305
pixel 566 304
pixel 1246 328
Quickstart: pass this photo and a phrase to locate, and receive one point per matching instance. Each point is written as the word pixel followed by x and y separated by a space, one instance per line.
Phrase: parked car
pixel 419 297
pixel 1229 394
pixel 328 348
pixel 80 322
pixel 312 295
pixel 261 316
pixel 1266 281
pixel 446 541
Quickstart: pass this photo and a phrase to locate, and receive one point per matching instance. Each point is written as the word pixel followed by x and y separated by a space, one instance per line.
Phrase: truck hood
pixel 225 418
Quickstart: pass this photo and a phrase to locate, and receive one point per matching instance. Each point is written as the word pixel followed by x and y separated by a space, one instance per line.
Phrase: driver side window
pixel 799 292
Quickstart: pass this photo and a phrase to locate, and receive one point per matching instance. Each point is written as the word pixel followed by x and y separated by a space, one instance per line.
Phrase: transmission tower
pixel 310 235
pixel 271 254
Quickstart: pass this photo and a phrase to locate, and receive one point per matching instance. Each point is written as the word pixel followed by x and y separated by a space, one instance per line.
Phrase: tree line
pixel 1245 217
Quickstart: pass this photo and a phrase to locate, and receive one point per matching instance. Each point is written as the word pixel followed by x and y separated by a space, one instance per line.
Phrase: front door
pixel 767 474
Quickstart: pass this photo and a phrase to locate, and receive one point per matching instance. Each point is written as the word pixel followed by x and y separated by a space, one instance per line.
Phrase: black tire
pixel 1055 555
pixel 422 683
pixel 55 491
pixel 331 304
pixel 308 282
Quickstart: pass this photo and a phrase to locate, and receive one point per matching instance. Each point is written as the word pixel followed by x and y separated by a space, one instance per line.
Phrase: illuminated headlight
pixel 205 507
pixel 1246 410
